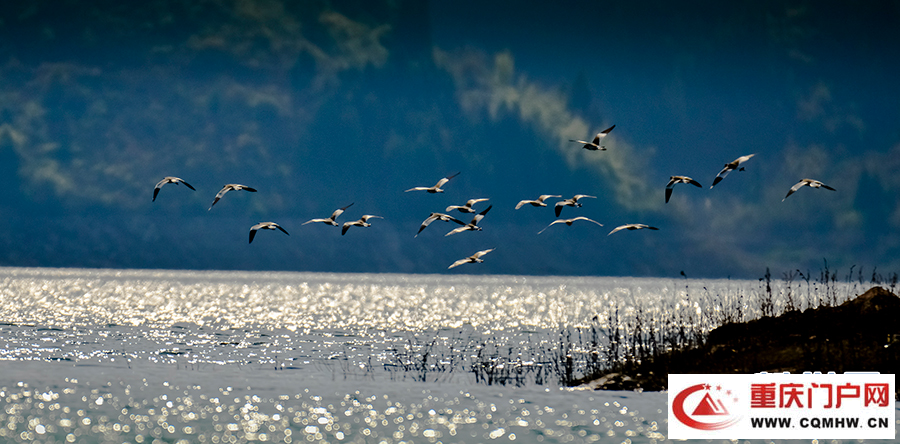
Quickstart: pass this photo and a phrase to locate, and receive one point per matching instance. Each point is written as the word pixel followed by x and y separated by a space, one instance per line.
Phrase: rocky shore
pixel 862 334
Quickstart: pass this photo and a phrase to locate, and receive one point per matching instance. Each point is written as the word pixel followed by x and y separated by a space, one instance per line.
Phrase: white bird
pixel 473 225
pixel 362 222
pixel 812 183
pixel 438 216
pixel 330 220
pixel 679 179
pixel 467 208
pixel 437 188
pixel 569 222
pixel 475 258
pixel 733 165
pixel 539 202
pixel 595 145
pixel 227 188
pixel 265 226
pixel 632 227
pixel 573 202
pixel 169 179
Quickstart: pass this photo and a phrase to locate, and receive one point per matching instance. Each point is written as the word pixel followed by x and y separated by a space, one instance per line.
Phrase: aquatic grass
pixel 630 332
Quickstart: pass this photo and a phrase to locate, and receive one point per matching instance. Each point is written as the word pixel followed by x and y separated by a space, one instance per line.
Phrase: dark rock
pixel 862 334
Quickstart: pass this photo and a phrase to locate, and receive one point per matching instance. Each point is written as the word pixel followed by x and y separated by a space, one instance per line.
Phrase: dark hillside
pixel 862 334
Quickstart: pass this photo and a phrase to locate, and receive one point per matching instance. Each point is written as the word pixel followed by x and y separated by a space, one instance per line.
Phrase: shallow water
pixel 177 356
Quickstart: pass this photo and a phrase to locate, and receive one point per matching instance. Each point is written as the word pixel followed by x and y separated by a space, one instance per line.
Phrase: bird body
pixel 539 202
pixel 330 220
pixel 632 227
pixel 169 179
pixel 467 208
pixel 573 202
pixel 362 222
pixel 265 226
pixel 569 222
pixel 812 183
pixel 437 216
pixel 227 188
pixel 679 179
pixel 595 144
pixel 729 167
pixel 436 188
pixel 473 225
pixel 475 258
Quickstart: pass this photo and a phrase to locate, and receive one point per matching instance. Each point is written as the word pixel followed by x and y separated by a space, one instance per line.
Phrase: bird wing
pixel 587 219
pixel 560 205
pixel 669 186
pixel 606 131
pixel 827 187
pixel 426 222
pixel 471 202
pixel 445 180
pixel 339 211
pixel 346 227
pixel 743 159
pixel 551 224
pixel 523 202
pixel 619 228
pixel 482 253
pixel 417 189
pixel 480 216
pixel 580 196
pixel 794 188
pixel 282 229
pixel 156 190
pixel 458 263
pixel 366 217
pixel 252 234
pixel 721 175
pixel 186 184
pixel 458 230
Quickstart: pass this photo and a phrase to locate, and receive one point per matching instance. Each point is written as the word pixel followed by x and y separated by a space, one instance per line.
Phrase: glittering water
pixel 222 357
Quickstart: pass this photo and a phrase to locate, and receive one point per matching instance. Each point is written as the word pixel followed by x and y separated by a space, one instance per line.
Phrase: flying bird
pixel 330 220
pixel 475 258
pixel 473 225
pixel 362 222
pixel 569 222
pixel 169 179
pixel 735 164
pixel 539 202
pixel 595 145
pixel 812 183
pixel 679 179
pixel 632 227
pixel 467 208
pixel 438 216
pixel 573 202
pixel 265 226
pixel 227 188
pixel 437 188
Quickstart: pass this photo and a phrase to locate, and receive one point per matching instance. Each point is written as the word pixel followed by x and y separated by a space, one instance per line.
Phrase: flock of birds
pixel 468 207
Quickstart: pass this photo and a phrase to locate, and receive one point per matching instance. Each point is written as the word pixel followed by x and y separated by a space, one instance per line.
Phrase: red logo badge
pixel 709 413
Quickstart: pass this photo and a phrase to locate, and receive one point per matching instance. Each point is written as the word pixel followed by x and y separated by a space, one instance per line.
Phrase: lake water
pixel 223 357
